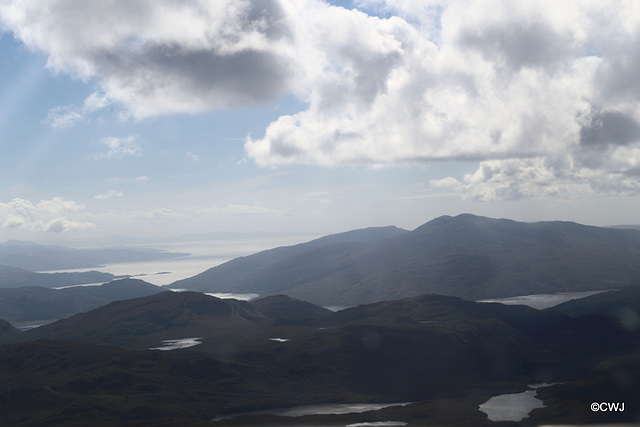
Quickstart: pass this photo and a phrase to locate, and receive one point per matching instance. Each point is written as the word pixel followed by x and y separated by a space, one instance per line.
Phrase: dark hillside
pixel 71 383
pixel 438 351
pixel 618 378
pixel 35 304
pixel 622 305
pixel 547 328
pixel 287 308
pixel 146 322
pixel 116 290
pixel 7 332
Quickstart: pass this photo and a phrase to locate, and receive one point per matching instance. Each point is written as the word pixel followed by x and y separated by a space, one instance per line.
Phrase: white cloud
pixel 515 179
pixel 538 92
pixel 55 206
pixel 240 209
pixel 61 225
pixel 159 213
pixel 616 173
pixel 63 117
pixel 120 180
pixel 193 157
pixel 108 195
pixel 448 182
pixel 68 116
pixel 120 147
pixel 157 57
pixel 414 101
pixel 95 102
pixel 541 93
pixel 51 216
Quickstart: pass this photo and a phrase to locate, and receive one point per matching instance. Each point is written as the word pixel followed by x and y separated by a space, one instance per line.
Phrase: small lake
pixel 378 424
pixel 337 307
pixel 320 409
pixel 514 406
pixel 168 345
pixel 542 301
pixel 226 295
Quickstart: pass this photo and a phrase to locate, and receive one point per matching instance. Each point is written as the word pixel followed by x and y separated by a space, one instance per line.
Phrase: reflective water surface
pixel 514 406
pixel 542 301
pixel 178 344
pixel 321 409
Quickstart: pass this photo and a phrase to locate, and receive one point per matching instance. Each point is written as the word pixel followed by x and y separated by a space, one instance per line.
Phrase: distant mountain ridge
pixel 627 226
pixel 267 266
pixel 15 277
pixel 36 304
pixel 36 257
pixel 466 256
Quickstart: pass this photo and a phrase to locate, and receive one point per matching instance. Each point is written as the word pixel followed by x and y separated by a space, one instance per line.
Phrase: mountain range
pixel 130 353
pixel 444 354
pixel 467 256
pixel 15 277
pixel 36 257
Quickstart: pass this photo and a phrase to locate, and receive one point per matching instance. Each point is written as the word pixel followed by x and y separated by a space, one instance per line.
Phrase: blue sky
pixel 157 118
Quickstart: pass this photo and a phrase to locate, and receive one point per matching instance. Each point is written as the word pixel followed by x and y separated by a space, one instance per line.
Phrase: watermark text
pixel 607 406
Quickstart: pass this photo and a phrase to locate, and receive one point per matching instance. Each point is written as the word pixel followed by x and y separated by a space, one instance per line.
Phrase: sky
pixel 165 117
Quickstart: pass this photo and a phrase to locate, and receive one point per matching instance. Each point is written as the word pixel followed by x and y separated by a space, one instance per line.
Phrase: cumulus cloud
pixel 120 147
pixel 448 182
pixel 67 116
pixel 467 80
pixel 63 117
pixel 155 214
pixel 543 95
pixel 540 93
pixel 610 128
pixel 613 172
pixel 51 216
pixel 159 57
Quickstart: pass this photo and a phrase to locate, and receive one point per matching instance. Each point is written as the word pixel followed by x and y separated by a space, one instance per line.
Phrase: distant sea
pixel 205 254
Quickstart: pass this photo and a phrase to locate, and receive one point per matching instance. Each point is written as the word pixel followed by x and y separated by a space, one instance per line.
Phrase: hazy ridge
pixel 467 256
pixel 36 257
